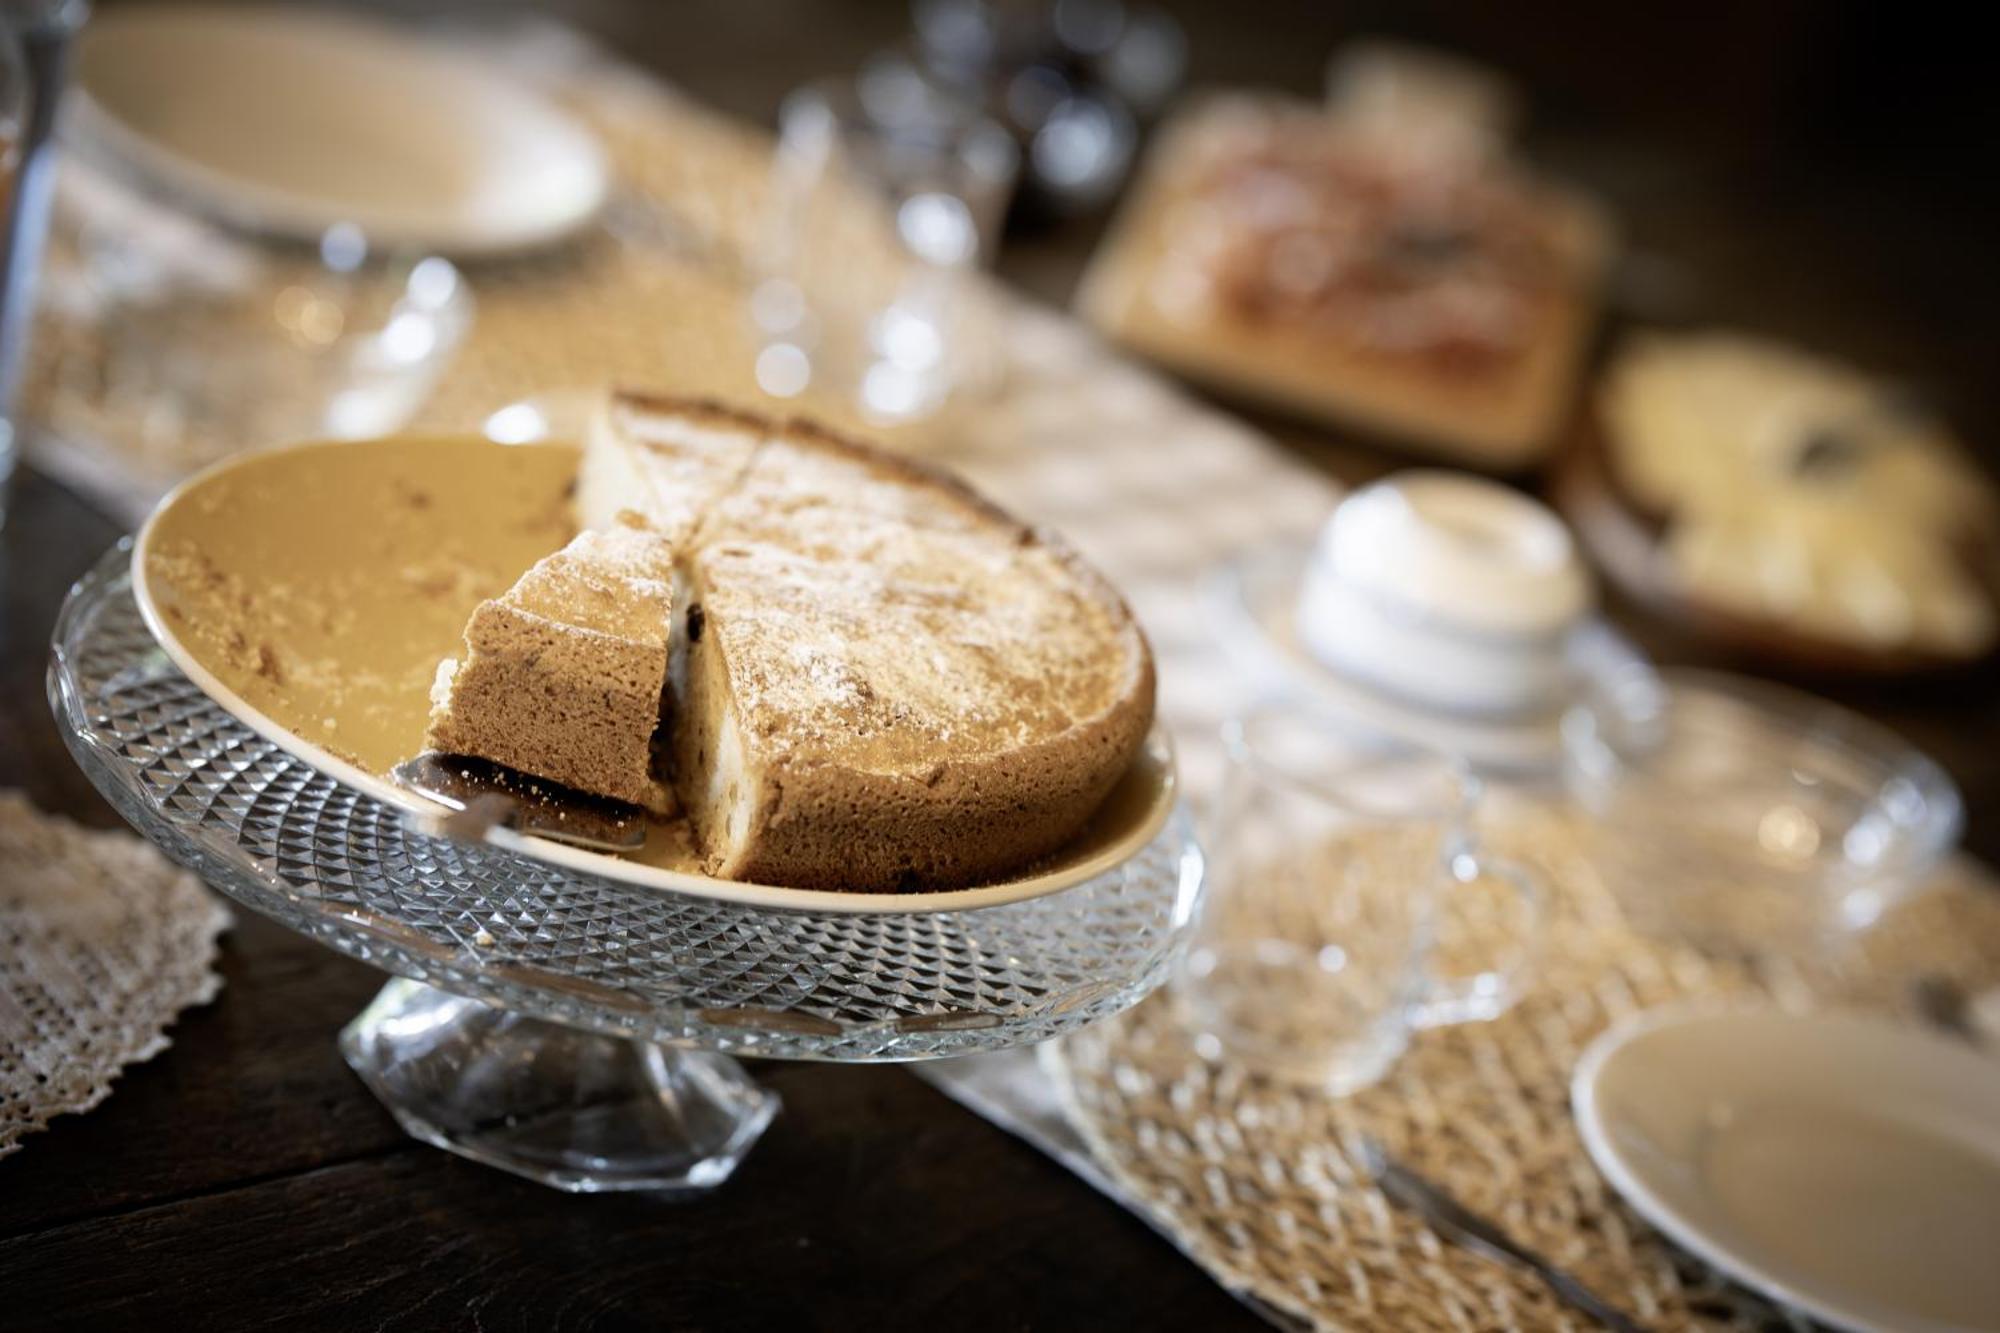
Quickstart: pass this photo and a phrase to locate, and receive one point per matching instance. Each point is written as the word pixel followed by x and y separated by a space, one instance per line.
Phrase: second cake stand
pixel 566 1026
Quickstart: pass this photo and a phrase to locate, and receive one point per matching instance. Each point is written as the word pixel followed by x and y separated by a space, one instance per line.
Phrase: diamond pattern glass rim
pixel 293 843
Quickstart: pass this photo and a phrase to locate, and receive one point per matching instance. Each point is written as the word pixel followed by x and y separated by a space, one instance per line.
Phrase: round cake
pixel 877 679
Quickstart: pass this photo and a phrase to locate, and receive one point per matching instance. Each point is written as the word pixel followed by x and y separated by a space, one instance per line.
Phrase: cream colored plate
pixel 311 591
pixel 1841 1164
pixel 288 120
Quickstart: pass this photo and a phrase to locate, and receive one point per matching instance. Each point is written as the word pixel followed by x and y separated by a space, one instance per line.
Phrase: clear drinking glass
pixel 176 341
pixel 1749 819
pixel 887 192
pixel 1333 868
pixel 34 51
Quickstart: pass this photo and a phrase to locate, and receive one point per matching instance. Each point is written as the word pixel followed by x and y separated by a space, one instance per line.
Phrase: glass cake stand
pixel 565 1026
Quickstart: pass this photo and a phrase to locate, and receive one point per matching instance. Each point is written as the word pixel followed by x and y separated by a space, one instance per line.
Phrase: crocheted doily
pixel 103 941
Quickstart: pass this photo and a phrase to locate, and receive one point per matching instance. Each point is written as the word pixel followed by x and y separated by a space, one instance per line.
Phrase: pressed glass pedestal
pixel 571 1027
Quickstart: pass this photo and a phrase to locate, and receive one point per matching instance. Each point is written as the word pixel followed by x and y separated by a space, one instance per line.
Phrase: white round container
pixel 1450 590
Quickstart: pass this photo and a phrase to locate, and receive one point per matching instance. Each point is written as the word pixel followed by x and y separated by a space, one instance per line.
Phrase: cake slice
pixel 666 459
pixel 564 676
pixel 890 683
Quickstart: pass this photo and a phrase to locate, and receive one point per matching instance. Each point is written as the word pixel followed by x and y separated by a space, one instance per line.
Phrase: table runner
pixel 1251 1180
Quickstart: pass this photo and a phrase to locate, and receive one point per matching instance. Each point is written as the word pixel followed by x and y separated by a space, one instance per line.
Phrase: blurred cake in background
pixel 1788 504
pixel 1377 262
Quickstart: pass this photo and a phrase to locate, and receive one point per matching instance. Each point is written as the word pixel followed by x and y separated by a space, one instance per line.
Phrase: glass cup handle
pixel 1486 995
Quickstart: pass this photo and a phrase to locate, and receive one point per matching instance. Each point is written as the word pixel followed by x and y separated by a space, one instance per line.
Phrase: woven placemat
pixel 103 941
pixel 1259 1181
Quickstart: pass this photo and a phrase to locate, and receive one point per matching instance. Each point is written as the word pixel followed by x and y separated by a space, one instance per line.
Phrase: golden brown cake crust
pixel 669 458
pixel 807 431
pixel 690 407
pixel 820 825
pixel 835 804
pixel 922 690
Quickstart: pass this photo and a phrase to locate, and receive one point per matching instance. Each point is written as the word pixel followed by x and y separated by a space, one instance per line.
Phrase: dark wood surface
pixel 245 1178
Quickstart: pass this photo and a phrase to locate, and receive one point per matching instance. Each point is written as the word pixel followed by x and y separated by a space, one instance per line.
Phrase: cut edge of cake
pixel 785 809
pixel 763 812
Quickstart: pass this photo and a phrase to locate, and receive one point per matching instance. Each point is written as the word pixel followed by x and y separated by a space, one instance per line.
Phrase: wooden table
pixel 246 1178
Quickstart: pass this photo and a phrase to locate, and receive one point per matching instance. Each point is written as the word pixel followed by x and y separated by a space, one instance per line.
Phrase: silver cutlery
pixel 1458 1224
pixel 477 796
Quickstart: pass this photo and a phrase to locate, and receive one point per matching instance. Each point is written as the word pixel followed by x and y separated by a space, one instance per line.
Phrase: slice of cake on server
pixel 564 676
pixel 869 678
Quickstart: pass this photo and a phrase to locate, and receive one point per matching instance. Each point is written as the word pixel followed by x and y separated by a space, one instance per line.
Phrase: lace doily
pixel 1259 1182
pixel 103 941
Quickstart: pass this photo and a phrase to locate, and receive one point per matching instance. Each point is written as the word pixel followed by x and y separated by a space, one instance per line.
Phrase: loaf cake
pixel 564 674
pixel 1326 264
pixel 876 679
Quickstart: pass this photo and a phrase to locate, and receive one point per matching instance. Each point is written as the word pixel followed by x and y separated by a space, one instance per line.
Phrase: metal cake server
pixel 479 795
pixel 1458 1224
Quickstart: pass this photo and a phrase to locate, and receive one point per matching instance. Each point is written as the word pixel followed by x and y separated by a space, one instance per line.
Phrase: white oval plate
pixel 1841 1164
pixel 311 590
pixel 1253 598
pixel 290 120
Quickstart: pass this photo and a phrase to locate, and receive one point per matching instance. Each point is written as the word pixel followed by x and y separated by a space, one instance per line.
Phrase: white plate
pixel 288 121
pixel 1841 1164
pixel 1253 599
